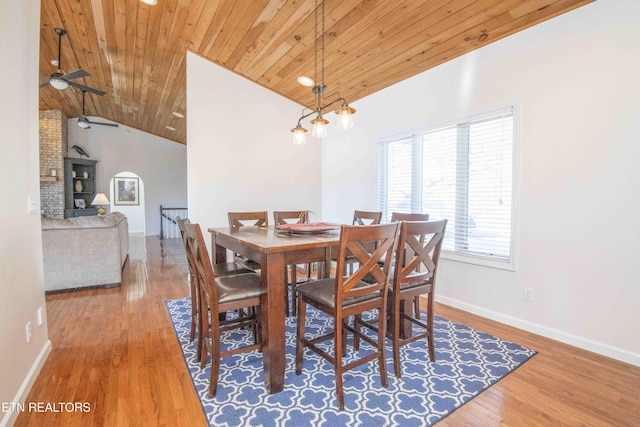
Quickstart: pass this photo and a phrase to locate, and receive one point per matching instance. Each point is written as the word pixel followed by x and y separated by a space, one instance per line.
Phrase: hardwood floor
pixel 116 350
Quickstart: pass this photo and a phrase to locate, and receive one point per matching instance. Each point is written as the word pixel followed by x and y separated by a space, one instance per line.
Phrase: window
pixel 463 172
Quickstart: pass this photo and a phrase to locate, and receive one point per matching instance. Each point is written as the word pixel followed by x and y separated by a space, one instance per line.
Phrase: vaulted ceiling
pixel 136 53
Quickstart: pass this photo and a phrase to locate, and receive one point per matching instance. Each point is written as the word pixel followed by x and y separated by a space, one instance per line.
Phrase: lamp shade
pixel 100 199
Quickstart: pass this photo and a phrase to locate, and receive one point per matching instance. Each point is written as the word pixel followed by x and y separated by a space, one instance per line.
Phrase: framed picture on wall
pixel 126 191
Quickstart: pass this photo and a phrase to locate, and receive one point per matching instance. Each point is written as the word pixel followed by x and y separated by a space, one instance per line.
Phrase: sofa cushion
pixel 97 221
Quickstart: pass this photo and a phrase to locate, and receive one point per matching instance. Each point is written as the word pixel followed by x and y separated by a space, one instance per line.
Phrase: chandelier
pixel 344 112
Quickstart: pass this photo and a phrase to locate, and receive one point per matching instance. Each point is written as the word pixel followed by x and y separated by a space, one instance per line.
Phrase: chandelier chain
pixel 345 112
pixel 322 35
pixel 315 43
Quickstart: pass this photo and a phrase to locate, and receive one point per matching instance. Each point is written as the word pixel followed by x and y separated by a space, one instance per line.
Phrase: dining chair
pixel 414 274
pixel 292 217
pixel 403 216
pixel 219 294
pixel 222 269
pixel 194 295
pixel 242 219
pixel 343 296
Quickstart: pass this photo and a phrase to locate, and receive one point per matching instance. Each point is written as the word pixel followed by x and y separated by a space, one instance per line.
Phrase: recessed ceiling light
pixel 175 113
pixel 150 2
pixel 171 128
pixel 305 81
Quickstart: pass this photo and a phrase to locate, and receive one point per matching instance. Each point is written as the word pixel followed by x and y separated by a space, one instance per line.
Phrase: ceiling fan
pixel 84 123
pixel 61 81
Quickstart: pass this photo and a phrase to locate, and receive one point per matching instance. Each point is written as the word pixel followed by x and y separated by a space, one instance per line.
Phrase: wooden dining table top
pixel 269 239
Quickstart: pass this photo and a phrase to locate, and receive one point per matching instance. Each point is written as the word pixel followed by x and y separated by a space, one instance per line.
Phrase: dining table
pixel 273 249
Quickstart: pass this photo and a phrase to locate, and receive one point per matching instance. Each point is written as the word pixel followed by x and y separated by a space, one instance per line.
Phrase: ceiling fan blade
pixel 115 125
pixel 87 88
pixel 44 84
pixel 75 74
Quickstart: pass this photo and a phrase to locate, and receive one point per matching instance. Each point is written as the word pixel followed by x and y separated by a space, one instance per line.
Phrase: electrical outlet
pixel 40 316
pixel 528 294
pixel 28 331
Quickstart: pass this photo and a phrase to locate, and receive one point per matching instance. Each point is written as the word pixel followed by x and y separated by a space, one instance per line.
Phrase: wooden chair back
pixel 366 218
pixel 189 243
pixel 241 219
pixel 366 245
pixel 295 217
pixel 189 239
pixel 402 216
pixel 180 222
pixel 198 252
pixel 418 252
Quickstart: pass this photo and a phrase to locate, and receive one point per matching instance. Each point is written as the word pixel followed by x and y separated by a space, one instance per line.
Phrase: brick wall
pixel 53 149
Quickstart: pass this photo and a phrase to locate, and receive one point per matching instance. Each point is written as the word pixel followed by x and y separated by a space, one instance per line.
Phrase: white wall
pixel 575 78
pixel 240 152
pixel 160 163
pixel 21 272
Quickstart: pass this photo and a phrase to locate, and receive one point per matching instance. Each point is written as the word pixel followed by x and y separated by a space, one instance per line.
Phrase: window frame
pixel 417 133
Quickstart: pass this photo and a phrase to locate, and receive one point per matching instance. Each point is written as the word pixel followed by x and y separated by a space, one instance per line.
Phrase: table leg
pixel 219 252
pixel 273 318
pixel 405 325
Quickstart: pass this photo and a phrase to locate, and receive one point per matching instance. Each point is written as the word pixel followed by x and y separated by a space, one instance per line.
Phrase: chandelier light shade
pixel 299 137
pixel 345 113
pixel 319 127
pixel 345 117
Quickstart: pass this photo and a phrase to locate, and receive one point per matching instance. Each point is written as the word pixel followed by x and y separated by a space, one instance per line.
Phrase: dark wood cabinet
pixel 79 187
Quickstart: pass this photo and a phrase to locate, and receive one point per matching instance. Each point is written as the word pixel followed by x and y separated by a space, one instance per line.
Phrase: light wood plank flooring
pixel 116 349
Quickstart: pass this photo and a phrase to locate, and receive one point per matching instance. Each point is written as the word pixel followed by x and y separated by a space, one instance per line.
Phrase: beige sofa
pixel 84 251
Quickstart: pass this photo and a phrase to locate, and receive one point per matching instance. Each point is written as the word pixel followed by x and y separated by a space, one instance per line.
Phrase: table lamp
pixel 100 200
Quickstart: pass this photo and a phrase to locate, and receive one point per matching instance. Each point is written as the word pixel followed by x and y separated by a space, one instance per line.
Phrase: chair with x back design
pixel 342 297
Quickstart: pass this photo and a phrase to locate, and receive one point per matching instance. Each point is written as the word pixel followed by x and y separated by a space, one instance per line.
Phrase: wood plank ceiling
pixel 136 53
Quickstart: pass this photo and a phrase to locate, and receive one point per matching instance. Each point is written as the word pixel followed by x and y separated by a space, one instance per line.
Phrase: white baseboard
pixel 574 340
pixel 10 417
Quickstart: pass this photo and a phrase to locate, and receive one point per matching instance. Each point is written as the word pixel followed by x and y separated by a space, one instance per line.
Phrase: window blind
pixel 463 172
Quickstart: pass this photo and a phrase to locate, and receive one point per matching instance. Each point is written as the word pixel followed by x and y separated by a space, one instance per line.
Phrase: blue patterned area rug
pixel 467 362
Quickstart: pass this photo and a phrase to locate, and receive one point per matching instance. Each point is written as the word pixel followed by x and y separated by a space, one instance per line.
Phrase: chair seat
pixel 410 285
pixel 324 292
pixel 247 263
pixel 227 268
pixel 238 287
